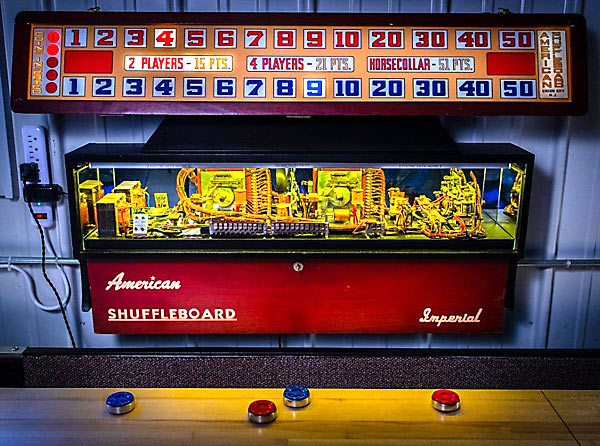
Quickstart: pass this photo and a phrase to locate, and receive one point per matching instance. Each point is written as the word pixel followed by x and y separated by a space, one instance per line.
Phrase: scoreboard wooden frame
pixel 412 70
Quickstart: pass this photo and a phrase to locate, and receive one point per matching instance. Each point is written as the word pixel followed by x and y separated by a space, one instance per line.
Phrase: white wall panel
pixel 552 308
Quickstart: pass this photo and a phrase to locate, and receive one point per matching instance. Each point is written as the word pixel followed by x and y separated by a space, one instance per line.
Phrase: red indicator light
pixel 41 216
pixel 515 64
pixel 52 62
pixel 53 36
pixel 100 62
pixel 52 74
pixel 51 87
pixel 52 49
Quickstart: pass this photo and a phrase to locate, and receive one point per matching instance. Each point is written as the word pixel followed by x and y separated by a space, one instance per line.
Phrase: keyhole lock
pixel 298 266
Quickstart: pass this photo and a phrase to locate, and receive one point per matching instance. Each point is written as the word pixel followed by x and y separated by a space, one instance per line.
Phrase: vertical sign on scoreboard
pixel 45 62
pixel 552 63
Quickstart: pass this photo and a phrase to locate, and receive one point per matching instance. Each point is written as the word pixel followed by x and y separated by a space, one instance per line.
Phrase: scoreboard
pixel 386 64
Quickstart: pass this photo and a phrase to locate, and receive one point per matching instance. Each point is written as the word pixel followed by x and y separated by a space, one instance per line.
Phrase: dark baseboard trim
pixel 326 368
pixel 11 370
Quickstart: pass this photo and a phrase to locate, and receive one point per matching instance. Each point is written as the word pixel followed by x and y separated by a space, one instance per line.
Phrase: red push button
pixel 262 411
pixel 52 74
pixel 445 400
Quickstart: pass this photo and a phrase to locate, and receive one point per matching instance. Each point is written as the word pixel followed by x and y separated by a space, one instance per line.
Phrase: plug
pixel 30 172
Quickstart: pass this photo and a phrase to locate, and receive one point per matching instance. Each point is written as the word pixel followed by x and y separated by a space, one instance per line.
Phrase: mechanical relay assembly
pixel 305 225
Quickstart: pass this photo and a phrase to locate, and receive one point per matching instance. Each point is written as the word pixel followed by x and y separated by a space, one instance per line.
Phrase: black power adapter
pixel 33 191
pixel 42 193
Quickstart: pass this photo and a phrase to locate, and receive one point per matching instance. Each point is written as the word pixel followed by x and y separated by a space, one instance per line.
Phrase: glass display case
pixel 393 203
pixel 278 184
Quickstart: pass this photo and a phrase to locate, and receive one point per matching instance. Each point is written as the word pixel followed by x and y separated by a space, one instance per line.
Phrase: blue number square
pixel 517 88
pixel 347 88
pixel 73 86
pixel 314 88
pixel 224 87
pixel 194 87
pixel 473 88
pixel 284 88
pixel 386 88
pixel 134 86
pixel 163 86
pixel 255 87
pixel 430 88
pixel 103 86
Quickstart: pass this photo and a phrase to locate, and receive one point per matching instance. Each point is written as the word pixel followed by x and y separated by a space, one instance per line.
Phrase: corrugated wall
pixel 554 309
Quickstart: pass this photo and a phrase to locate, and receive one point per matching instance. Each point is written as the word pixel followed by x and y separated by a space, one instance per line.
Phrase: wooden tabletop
pixel 334 417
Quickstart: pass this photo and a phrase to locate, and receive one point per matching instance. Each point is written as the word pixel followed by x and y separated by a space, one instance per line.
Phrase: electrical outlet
pixel 140 224
pixel 35 146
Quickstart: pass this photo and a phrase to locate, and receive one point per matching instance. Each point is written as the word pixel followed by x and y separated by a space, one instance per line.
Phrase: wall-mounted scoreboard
pixel 388 64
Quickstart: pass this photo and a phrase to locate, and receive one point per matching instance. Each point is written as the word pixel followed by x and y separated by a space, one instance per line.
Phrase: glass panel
pixel 395 202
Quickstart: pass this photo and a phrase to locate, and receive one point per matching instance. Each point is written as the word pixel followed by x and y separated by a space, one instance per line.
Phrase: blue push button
pixel 119 403
pixel 296 396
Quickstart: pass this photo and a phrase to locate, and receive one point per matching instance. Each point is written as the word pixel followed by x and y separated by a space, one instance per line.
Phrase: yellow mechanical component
pixel 282 182
pixel 477 221
pixel 84 213
pixel 218 188
pixel 113 215
pixel 399 207
pixel 259 191
pixel 374 186
pixel 91 191
pixel 515 192
pixel 134 195
pixel 240 197
pixel 197 211
pixel 336 192
pixel 357 197
pixel 161 200
pixel 339 196
pixel 283 210
pixel 223 197
pixel 341 215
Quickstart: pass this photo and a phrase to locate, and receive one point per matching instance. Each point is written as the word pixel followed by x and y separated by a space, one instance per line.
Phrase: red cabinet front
pixel 311 295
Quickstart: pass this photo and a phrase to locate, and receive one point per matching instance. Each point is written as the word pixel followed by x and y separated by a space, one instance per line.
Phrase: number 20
pixel 386 88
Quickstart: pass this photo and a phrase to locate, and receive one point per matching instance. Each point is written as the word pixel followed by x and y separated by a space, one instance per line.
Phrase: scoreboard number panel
pixel 386 64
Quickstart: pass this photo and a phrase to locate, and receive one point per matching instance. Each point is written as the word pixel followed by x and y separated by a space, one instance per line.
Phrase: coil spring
pixel 374 193
pixel 258 191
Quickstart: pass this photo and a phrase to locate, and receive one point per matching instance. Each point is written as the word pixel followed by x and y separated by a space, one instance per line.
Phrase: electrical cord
pixel 65 279
pixel 31 284
pixel 31 287
pixel 60 303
